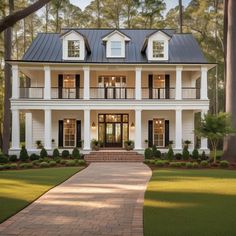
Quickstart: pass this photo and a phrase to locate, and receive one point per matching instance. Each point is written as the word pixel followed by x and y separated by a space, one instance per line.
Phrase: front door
pixel 113 135
pixel 113 129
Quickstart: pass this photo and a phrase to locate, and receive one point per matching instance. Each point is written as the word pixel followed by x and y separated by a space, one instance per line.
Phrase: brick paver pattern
pixel 104 199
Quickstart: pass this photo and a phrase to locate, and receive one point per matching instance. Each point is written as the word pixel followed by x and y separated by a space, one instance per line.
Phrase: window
pixel 69 133
pixel 158 132
pixel 116 48
pixel 73 48
pixel 158 49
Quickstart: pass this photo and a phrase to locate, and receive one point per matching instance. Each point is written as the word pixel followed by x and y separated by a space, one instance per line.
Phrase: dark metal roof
pixel 183 48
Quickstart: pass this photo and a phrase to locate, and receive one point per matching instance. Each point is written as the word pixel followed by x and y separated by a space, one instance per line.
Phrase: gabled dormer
pixel 74 46
pixel 115 44
pixel 156 46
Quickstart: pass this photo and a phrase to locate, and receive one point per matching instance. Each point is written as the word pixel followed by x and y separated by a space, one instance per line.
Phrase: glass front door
pixel 113 129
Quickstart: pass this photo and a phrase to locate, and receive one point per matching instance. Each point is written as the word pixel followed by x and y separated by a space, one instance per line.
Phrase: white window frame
pixel 156 49
pixel 163 120
pixel 69 50
pixel 116 47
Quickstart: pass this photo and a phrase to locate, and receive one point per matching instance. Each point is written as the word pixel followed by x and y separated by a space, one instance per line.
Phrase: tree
pixel 12 18
pixel 180 17
pixel 230 40
pixel 215 128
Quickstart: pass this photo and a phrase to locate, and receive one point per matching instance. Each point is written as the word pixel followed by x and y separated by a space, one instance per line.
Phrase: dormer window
pixel 115 44
pixel 116 47
pixel 73 48
pixel 158 49
pixel 156 46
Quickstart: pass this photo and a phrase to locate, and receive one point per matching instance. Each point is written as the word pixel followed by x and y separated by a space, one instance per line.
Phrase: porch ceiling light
pixel 132 125
pixel 93 125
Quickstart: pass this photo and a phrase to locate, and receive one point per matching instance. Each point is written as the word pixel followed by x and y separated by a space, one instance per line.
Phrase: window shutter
pixel 78 134
pixel 77 84
pixel 150 133
pixel 60 133
pixel 167 132
pixel 60 85
pixel 150 85
pixel 167 86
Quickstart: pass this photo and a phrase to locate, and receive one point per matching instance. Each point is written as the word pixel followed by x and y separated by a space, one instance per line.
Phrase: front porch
pixel 66 129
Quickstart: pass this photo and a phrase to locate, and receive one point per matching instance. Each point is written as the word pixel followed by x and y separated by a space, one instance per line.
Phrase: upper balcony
pixel 88 83
pixel 109 93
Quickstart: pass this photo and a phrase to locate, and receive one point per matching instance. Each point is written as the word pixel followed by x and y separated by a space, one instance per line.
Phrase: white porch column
pixel 15 82
pixel 28 130
pixel 204 145
pixel 15 138
pixel 178 129
pixel 178 85
pixel 138 129
pixel 204 82
pixel 48 129
pixel 87 129
pixel 138 78
pixel 47 82
pixel 86 82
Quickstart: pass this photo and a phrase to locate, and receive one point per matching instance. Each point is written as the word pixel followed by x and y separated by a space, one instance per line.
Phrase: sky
pixel 169 3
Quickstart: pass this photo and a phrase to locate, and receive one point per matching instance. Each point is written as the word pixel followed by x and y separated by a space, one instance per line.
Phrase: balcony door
pixel 112 87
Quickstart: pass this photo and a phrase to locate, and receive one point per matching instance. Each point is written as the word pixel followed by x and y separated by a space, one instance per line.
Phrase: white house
pixel 112 85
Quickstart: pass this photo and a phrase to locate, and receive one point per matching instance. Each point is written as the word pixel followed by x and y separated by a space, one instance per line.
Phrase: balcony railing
pixel 66 93
pixel 109 93
pixel 158 93
pixel 112 93
pixel 190 93
pixel 31 92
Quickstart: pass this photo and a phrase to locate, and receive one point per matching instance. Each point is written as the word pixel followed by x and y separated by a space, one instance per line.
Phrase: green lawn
pixel 191 202
pixel 19 188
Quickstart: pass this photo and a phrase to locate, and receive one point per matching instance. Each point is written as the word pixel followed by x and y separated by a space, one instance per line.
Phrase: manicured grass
pixel 191 202
pixel 19 188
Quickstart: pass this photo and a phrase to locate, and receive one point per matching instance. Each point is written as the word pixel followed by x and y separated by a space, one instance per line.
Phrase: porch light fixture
pixel 67 121
pixel 93 125
pixel 132 125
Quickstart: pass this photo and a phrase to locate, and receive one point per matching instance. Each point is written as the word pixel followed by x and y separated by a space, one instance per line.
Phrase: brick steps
pixel 112 156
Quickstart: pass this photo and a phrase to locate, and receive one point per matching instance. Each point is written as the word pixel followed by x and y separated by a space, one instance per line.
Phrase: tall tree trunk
pixel 7 88
pixel 46 17
pixel 229 148
pixel 180 17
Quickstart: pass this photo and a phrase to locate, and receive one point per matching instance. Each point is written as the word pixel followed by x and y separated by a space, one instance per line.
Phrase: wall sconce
pixel 93 125
pixel 132 125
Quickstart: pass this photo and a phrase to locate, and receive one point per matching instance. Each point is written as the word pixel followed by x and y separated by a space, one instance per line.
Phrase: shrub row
pixel 190 165
pixel 42 163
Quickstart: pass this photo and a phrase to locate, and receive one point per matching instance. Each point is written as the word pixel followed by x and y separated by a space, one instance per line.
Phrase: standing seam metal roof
pixel 183 48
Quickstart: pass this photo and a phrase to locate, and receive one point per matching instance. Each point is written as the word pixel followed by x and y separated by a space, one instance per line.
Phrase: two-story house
pixel 112 85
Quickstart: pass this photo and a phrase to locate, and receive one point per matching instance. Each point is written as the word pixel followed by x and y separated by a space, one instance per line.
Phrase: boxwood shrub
pixel 55 153
pixel 195 165
pixel 43 153
pixel 189 165
pixel 24 154
pixel 195 154
pixel 13 166
pixel 204 163
pixel 148 153
pixel 75 153
pixel 52 163
pixel 70 163
pixel 3 159
pixel 160 163
pixel 44 164
pixel 13 158
pixel 26 165
pixel 175 164
pixel 34 157
pixel 178 156
pixel 224 164
pixel 65 154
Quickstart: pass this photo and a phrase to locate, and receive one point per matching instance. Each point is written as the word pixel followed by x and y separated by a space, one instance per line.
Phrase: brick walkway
pixel 104 199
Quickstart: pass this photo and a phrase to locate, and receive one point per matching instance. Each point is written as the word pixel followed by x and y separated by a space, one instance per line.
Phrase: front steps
pixel 113 156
